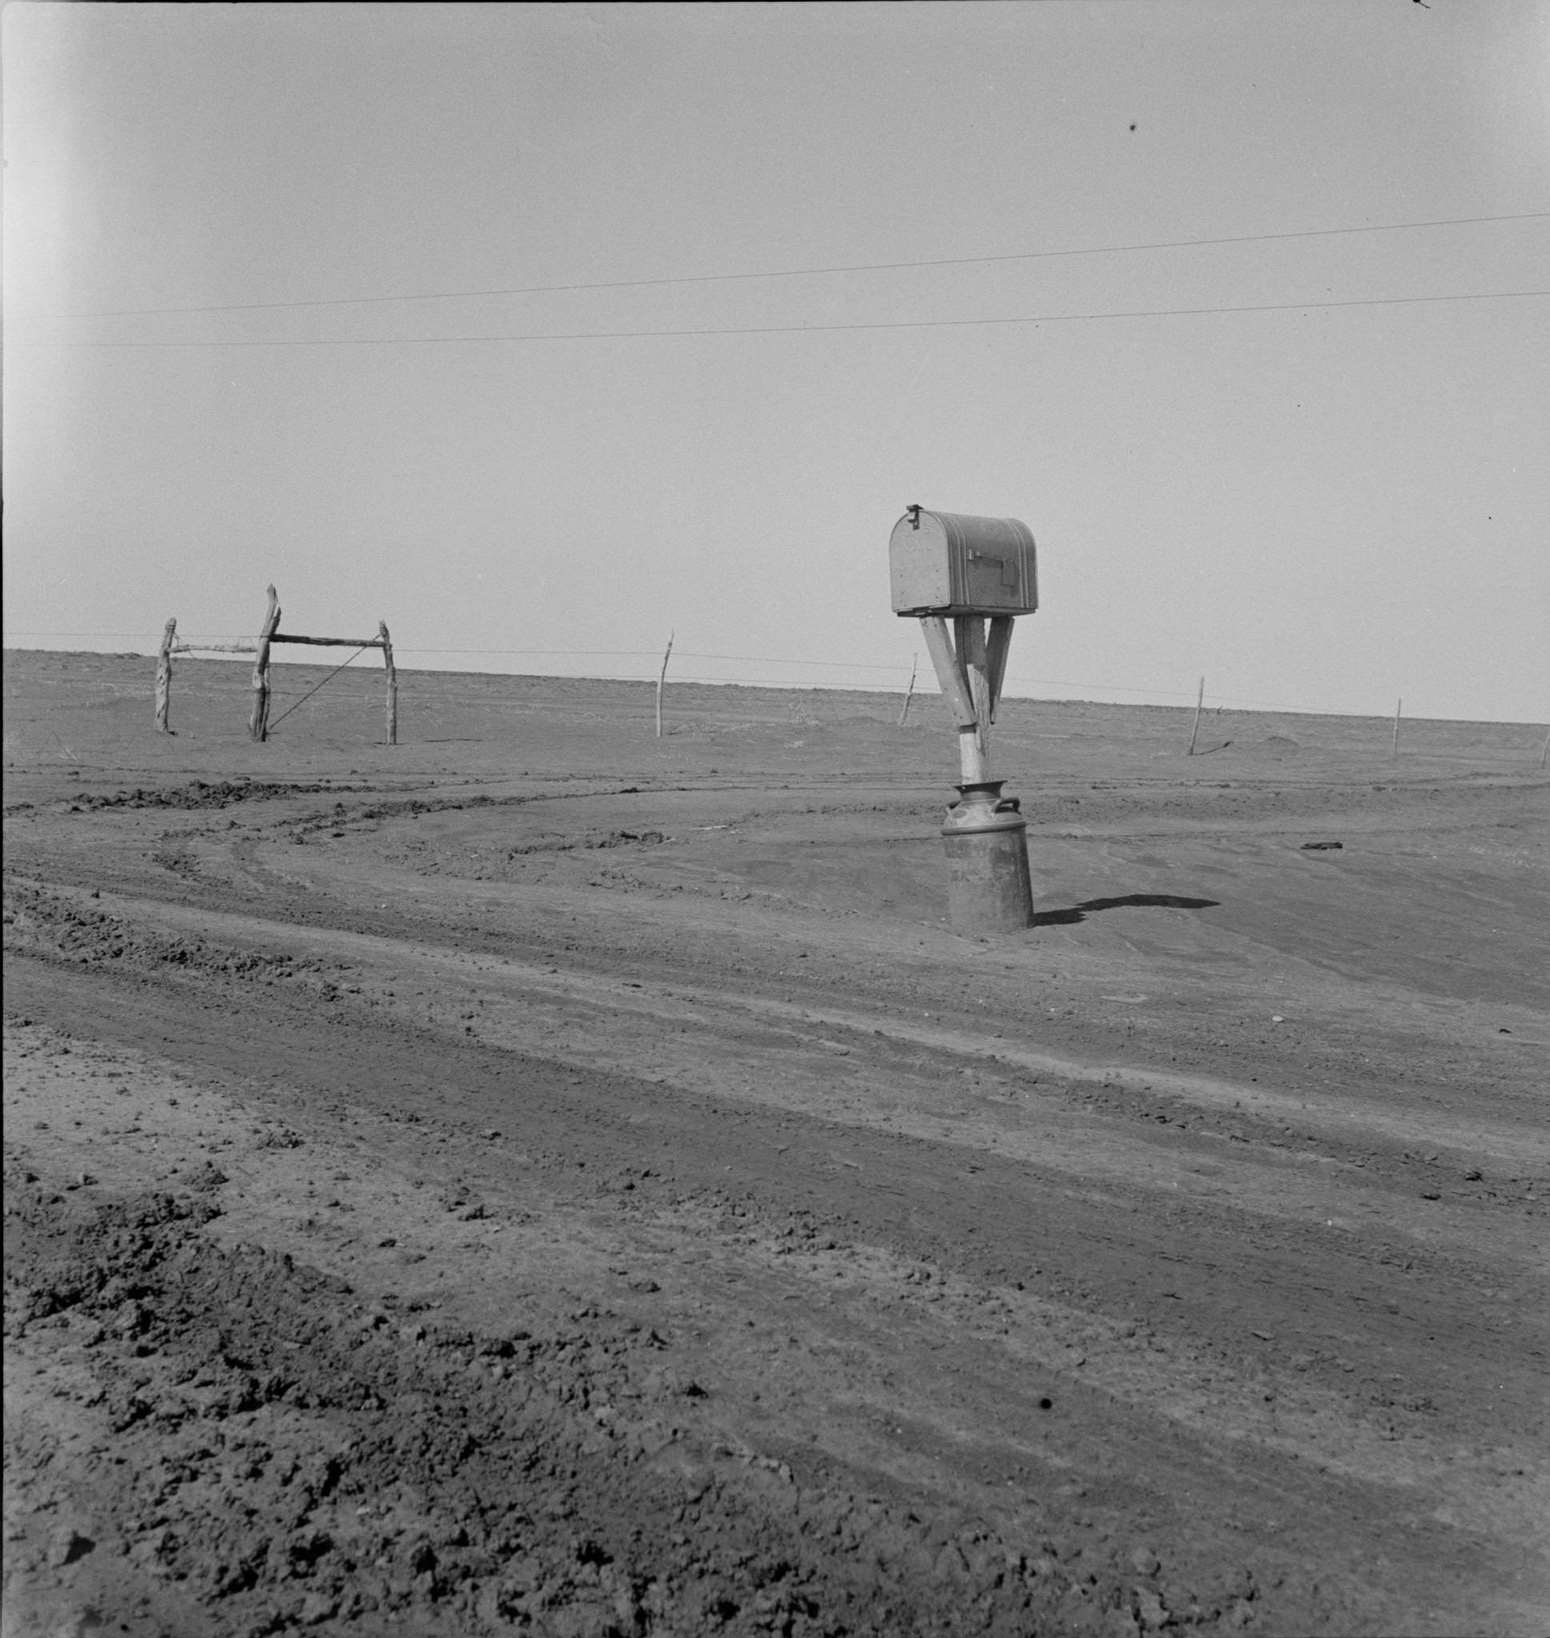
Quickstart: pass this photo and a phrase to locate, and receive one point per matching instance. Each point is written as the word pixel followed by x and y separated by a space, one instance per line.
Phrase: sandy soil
pixel 546 1179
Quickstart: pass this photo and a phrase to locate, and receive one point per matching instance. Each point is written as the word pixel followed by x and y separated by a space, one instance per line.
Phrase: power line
pixel 816 329
pixel 802 272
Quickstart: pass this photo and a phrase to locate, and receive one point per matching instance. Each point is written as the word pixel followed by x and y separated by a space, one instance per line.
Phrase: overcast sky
pixel 270 315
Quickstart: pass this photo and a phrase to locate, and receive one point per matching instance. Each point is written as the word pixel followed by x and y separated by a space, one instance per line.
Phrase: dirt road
pixel 544 1179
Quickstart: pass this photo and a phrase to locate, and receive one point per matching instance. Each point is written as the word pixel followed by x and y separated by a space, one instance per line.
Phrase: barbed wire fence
pixel 776 671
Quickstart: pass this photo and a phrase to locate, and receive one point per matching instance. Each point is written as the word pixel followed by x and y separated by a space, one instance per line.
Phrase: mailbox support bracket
pixel 971 669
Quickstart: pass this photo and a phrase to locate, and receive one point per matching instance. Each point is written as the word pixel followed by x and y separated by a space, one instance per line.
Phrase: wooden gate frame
pixel 269 633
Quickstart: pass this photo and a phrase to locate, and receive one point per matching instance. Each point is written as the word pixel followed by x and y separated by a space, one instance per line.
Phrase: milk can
pixel 985 834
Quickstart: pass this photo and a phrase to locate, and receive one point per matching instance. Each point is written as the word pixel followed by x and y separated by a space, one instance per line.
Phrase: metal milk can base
pixel 988 886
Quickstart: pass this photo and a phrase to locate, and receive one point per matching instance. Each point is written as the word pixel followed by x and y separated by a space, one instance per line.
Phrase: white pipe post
pixel 974 743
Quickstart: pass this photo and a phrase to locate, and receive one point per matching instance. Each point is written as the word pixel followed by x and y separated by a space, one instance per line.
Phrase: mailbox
pixel 947 563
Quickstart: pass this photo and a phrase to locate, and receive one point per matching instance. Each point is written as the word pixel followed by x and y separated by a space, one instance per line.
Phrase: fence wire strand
pixel 311 691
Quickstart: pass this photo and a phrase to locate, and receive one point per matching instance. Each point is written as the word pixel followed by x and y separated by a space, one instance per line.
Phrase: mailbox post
pixel 978 573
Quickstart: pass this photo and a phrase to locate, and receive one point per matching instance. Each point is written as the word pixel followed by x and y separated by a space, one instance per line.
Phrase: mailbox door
pixel 992 577
pixel 919 566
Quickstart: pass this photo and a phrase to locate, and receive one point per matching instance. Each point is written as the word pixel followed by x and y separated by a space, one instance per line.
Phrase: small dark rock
pixel 68 1545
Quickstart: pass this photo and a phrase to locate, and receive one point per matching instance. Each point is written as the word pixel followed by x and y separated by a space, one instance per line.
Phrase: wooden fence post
pixel 258 723
pixel 164 676
pixel 662 680
pixel 909 693
pixel 392 682
pixel 1194 731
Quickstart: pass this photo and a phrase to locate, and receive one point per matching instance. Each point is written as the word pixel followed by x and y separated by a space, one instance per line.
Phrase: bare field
pixel 541 1178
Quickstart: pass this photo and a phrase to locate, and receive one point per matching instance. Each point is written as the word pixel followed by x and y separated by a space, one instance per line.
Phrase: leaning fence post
pixel 662 680
pixel 1194 732
pixel 392 682
pixel 258 723
pixel 164 676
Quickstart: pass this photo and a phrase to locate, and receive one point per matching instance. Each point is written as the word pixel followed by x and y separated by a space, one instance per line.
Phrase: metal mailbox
pixel 947 563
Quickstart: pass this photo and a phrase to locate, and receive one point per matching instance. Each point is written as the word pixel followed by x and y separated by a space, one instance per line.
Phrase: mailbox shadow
pixel 1144 901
